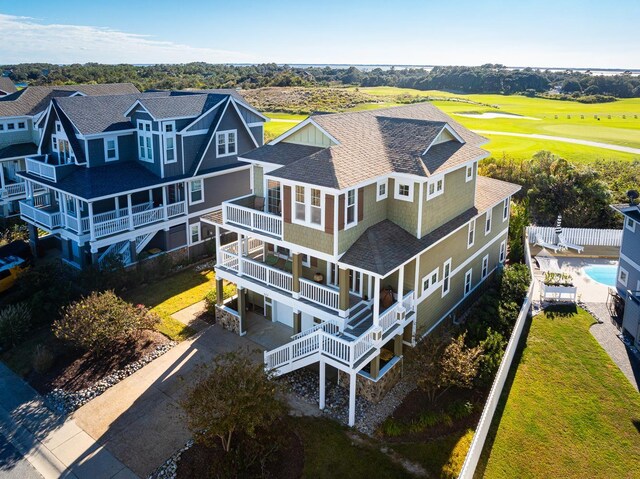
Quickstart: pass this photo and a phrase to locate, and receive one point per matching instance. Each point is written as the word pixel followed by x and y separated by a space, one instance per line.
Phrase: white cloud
pixel 31 41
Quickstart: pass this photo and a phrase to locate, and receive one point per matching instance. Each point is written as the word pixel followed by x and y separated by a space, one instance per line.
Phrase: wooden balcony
pixel 49 167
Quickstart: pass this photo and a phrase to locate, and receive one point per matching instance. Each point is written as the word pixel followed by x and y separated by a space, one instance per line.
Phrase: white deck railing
pixel 175 209
pixel 327 326
pixel 41 169
pixel 266 274
pixel 50 220
pixel 13 189
pixel 578 236
pixel 252 219
pixel 117 221
pixel 320 294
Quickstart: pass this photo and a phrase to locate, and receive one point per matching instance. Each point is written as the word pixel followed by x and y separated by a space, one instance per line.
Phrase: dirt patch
pixel 74 371
pixel 204 462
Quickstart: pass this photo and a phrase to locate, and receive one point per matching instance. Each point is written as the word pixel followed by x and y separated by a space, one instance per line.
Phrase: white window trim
pixel 503 252
pixel 630 224
pixel 488 222
pixel 446 290
pixel 396 190
pixel 16 124
pixel 225 133
pixel 484 272
pixel 201 181
pixel 468 279
pixel 307 208
pixel 144 134
pixel 626 274
pixel 384 182
pixel 166 135
pixel 505 209
pixel 472 227
pixel 346 208
pixel 106 149
pixel 468 177
pixel 436 192
pixel 433 283
pixel 191 227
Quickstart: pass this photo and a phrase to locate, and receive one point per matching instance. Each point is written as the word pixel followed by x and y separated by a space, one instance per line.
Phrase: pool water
pixel 603 273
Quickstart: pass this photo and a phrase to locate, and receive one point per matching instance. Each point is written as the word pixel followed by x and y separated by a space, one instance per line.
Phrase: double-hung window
pixel 467 282
pixel 381 192
pixel 169 143
pixel 485 266
pixel 446 277
pixel 471 237
pixel 469 173
pixel 145 141
pixel 503 252
pixel 487 222
pixel 505 209
pixel 111 149
pixel 196 194
pixel 226 142
pixel 307 205
pixel 194 233
pixel 351 205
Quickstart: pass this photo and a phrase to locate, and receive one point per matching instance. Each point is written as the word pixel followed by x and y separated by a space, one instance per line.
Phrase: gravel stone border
pixel 64 402
pixel 169 469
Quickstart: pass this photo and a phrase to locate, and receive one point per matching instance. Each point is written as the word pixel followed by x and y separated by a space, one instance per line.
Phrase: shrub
pixel 392 428
pixel 15 321
pixel 96 321
pixel 493 347
pixel 460 409
pixel 210 300
pixel 43 359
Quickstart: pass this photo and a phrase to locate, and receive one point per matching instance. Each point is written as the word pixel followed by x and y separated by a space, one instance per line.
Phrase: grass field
pixel 570 411
pixel 554 117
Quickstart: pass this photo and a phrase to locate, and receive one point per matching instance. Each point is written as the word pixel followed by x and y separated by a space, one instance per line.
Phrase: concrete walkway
pixel 53 446
pixel 140 419
pixel 597 144
pixel 606 333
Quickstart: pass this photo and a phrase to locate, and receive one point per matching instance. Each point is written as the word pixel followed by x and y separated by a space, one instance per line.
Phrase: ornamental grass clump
pixel 96 321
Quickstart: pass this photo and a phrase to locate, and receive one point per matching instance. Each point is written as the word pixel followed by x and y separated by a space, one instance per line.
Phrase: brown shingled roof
pixel 381 142
pixel 385 245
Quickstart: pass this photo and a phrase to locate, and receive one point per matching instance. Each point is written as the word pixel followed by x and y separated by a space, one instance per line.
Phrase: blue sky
pixel 559 33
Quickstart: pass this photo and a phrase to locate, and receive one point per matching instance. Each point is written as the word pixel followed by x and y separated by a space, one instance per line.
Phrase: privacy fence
pixel 480 436
pixel 579 236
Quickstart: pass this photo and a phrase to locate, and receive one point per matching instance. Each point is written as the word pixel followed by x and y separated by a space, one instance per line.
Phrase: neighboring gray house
pixel 6 86
pixel 20 136
pixel 132 174
pixel 628 280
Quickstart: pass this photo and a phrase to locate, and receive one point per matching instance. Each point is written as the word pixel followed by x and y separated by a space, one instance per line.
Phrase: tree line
pixel 488 78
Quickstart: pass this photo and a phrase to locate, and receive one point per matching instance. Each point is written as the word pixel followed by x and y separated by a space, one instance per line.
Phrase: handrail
pixel 252 219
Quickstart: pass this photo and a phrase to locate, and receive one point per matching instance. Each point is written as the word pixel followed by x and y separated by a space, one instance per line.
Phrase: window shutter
pixel 360 204
pixel 328 214
pixel 340 212
pixel 286 202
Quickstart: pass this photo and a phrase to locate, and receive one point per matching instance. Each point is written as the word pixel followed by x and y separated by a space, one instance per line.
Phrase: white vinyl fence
pixel 480 436
pixel 579 236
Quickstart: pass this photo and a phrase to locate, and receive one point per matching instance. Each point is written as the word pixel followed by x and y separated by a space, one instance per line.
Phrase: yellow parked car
pixel 10 268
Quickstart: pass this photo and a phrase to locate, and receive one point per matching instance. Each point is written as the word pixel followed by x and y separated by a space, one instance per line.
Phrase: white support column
pixel 376 301
pixel 352 399
pixel 2 176
pixel 77 210
pixel 369 286
pixel 217 243
pixel 322 383
pixel 164 202
pixel 129 212
pixel 151 197
pixel 28 189
pixel 92 229
pixel 117 203
pixel 63 208
pixel 417 287
pixel 401 284
pixel 239 251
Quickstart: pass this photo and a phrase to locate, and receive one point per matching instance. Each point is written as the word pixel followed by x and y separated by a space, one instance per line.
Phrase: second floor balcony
pixel 249 212
pixel 50 167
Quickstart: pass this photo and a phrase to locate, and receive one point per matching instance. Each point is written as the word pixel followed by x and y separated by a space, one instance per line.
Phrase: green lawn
pixel 570 411
pixel 172 294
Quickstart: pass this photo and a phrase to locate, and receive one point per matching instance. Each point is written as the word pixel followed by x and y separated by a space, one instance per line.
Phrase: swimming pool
pixel 603 273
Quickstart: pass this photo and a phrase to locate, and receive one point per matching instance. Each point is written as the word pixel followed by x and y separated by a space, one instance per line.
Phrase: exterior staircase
pixel 122 248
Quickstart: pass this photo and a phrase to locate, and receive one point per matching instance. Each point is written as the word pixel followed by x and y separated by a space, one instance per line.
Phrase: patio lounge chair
pixel 565 244
pixel 540 242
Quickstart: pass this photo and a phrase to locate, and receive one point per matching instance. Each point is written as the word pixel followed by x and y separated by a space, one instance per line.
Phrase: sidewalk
pixel 53 446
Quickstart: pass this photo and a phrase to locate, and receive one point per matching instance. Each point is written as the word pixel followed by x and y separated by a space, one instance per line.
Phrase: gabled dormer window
pixel 226 142
pixel 145 141
pixel 110 149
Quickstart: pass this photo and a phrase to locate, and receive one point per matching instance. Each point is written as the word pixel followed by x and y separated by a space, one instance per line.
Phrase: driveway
pixel 139 420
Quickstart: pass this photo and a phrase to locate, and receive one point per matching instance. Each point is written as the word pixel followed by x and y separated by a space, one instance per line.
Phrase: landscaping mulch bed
pixel 200 461
pixel 74 371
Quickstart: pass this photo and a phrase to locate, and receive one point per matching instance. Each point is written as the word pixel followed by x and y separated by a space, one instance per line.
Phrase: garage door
pixel 284 314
